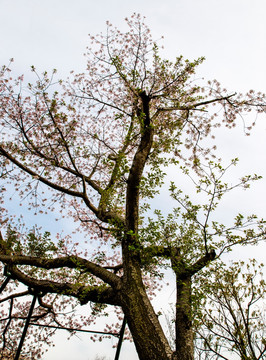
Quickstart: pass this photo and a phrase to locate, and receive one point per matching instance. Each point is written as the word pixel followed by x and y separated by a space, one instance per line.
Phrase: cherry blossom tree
pixel 96 148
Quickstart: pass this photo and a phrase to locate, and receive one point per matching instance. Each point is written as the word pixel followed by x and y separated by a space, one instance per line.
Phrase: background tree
pixel 101 143
pixel 229 317
pixel 232 323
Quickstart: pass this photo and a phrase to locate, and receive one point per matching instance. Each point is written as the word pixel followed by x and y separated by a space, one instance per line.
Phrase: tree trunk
pixel 148 336
pixel 184 330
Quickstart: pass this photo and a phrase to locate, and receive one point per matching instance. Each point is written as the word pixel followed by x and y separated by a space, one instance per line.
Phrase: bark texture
pixel 149 338
pixel 184 329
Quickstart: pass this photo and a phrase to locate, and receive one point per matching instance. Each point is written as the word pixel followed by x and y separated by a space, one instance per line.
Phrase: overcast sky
pixel 229 33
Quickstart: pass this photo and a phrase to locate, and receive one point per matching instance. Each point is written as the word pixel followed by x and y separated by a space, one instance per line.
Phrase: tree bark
pixel 183 322
pixel 149 338
pixel 183 325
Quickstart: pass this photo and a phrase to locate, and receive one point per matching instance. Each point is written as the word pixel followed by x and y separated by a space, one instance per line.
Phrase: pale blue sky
pixel 231 34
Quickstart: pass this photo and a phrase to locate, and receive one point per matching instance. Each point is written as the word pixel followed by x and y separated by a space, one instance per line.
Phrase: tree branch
pixel 72 262
pixel 97 294
pixel 194 106
pixel 202 262
pixel 102 215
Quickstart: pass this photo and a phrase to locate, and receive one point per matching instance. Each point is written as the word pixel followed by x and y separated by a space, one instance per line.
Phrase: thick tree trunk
pixel 148 336
pixel 184 330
